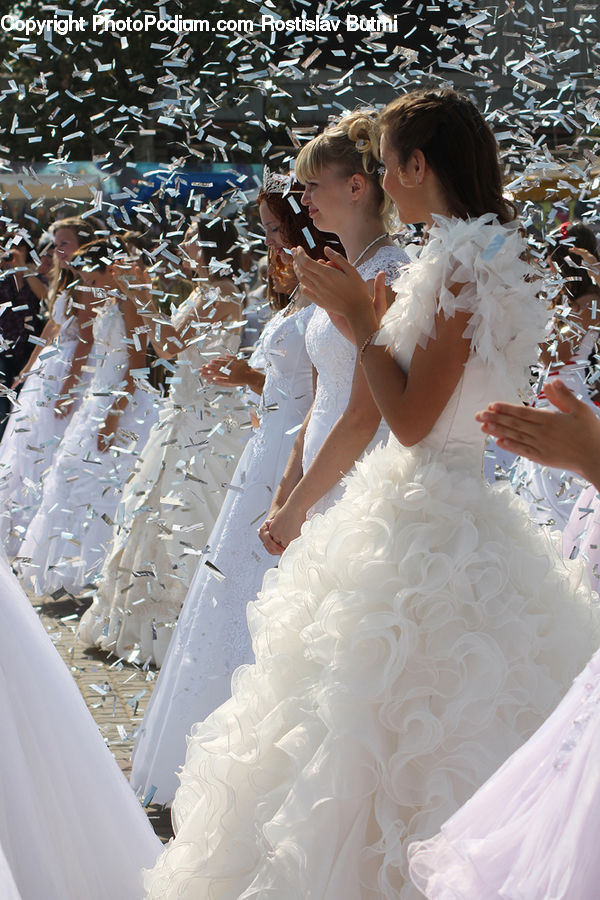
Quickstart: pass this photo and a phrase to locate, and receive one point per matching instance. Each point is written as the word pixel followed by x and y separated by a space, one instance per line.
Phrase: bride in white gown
pixel 68 538
pixel 421 628
pixel 170 504
pixel 70 826
pixel 340 425
pixel 38 421
pixel 211 638
pixel 343 195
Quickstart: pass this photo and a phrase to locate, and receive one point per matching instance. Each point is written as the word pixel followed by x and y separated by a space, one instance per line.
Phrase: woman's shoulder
pixel 388 259
pixel 480 267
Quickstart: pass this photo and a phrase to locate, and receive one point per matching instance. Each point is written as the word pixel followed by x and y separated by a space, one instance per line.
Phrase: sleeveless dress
pixel 69 537
pixel 334 358
pixel 33 432
pixel 550 492
pixel 211 638
pixel 409 641
pixel 530 833
pixel 169 506
pixel 70 827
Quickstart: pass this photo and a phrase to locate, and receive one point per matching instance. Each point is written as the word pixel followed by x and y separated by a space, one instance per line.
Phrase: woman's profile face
pixel 272 225
pixel 65 245
pixel 327 197
pixel 280 267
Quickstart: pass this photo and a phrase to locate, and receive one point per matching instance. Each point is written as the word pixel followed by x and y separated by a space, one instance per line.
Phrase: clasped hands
pixel 281 527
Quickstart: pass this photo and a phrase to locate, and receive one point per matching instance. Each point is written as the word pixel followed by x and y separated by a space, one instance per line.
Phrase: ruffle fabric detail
pixel 410 640
pixel 500 291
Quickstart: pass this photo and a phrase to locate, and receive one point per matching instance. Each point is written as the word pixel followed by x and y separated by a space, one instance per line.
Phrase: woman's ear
pixel 358 185
pixel 413 173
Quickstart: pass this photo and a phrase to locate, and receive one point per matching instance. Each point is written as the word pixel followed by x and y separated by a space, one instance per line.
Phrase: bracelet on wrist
pixel 367 343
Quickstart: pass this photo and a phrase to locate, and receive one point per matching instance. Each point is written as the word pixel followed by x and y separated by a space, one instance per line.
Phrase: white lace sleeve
pixel 389 259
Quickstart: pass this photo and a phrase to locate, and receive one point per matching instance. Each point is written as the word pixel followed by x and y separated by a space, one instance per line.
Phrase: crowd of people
pixel 358 607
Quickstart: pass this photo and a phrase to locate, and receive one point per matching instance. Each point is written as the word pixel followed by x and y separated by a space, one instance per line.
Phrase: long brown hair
pixel 296 225
pixel 85 230
pixel 457 143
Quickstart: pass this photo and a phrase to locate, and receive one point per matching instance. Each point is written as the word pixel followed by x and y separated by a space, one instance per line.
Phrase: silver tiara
pixel 275 182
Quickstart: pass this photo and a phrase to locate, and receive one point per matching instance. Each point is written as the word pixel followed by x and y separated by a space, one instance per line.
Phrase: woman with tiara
pixel 68 538
pixel 421 628
pixel 40 417
pixel 211 638
pixel 172 501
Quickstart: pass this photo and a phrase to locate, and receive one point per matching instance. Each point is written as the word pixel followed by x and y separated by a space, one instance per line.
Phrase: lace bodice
pixel 288 370
pixel 506 324
pixel 334 357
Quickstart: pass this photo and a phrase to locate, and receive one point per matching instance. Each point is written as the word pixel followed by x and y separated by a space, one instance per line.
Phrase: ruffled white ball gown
pixel 550 492
pixel 531 832
pixel 70 826
pixel 211 638
pixel 169 506
pixel 33 431
pixel 69 537
pixel 410 640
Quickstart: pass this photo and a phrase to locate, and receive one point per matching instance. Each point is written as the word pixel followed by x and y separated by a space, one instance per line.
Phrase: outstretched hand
pixel 567 438
pixel 226 371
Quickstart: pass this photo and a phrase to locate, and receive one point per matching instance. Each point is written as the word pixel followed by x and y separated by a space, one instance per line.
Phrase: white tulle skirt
pixel 409 641
pixel 71 533
pixel 70 826
pixel 531 833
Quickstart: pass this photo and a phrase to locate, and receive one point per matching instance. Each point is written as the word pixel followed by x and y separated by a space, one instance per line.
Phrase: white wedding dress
pixel 531 832
pixel 69 537
pixel 211 638
pixel 170 505
pixel 33 432
pixel 70 826
pixel 410 639
pixel 551 492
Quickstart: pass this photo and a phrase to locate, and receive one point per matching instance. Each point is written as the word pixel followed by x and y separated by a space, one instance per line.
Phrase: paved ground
pixel 115 692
